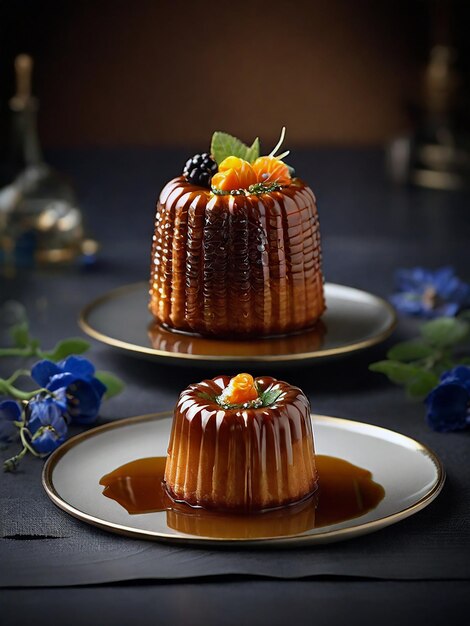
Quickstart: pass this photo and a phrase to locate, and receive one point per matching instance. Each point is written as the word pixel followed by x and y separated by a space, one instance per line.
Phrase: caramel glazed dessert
pixel 241 444
pixel 236 247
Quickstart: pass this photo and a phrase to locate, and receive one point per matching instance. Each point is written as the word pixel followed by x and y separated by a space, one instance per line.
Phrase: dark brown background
pixel 148 72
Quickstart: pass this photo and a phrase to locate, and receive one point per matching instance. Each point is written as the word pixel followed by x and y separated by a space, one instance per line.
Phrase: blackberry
pixel 199 170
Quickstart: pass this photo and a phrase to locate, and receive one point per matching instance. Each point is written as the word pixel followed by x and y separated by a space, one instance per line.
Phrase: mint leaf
pixel 67 347
pixel 206 396
pixel 410 351
pixel 270 396
pixel 20 335
pixel 418 381
pixel 113 384
pixel 444 332
pixel 421 384
pixel 224 145
pixel 253 151
pixel 396 372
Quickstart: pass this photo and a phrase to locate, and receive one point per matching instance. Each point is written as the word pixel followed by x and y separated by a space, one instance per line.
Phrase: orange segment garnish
pixel 268 170
pixel 240 389
pixel 234 173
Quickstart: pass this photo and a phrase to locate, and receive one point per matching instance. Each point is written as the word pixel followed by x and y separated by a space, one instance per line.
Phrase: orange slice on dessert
pixel 270 170
pixel 234 173
pixel 240 389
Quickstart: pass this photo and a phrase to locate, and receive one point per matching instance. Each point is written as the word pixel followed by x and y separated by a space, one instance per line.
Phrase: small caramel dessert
pixel 236 247
pixel 241 444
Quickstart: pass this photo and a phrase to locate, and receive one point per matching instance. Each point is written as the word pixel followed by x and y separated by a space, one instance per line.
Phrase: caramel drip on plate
pixel 345 492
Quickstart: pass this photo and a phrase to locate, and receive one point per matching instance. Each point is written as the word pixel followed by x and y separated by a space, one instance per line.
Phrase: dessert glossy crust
pixel 241 459
pixel 236 265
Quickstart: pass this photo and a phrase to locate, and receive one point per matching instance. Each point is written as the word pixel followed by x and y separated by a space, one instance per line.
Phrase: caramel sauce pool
pixel 345 492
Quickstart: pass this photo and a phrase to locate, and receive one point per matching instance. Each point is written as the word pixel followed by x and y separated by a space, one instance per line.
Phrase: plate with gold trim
pixel 354 320
pixel 110 477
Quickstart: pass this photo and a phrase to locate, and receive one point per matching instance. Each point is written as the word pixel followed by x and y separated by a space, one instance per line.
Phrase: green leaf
pixel 253 151
pixel 224 145
pixel 464 315
pixel 270 396
pixel 67 347
pixel 206 396
pixel 20 335
pixel 410 351
pixel 113 384
pixel 418 381
pixel 463 361
pixel 397 372
pixel 421 384
pixel 444 331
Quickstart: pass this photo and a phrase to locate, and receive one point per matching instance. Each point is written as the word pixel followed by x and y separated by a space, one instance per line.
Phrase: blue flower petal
pixel 430 294
pixel 448 407
pixel 60 381
pixel 98 386
pixel 408 303
pixel 43 371
pixel 449 309
pixel 79 366
pixel 459 375
pixel 85 404
pixel 44 412
pixel 10 410
pixel 47 442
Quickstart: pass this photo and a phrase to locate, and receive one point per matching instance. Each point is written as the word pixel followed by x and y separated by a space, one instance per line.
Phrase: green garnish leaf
pixel 410 351
pixel 253 151
pixel 113 384
pixel 224 145
pixel 20 335
pixel 207 396
pixel 67 347
pixel 396 372
pixel 444 332
pixel 417 380
pixel 421 384
pixel 270 396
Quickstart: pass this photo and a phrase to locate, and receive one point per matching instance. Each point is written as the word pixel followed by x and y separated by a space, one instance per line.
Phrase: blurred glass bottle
pixel 39 218
pixel 435 152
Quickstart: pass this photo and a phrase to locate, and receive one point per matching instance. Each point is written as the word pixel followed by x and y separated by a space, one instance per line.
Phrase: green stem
pixel 12 463
pixel 21 352
pixel 9 390
pixel 16 375
pixel 26 443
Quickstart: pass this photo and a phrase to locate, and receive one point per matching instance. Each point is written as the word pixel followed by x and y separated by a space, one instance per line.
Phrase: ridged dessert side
pixel 236 265
pixel 241 459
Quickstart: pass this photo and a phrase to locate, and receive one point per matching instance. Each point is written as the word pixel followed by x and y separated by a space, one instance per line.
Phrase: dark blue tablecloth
pixel 368 230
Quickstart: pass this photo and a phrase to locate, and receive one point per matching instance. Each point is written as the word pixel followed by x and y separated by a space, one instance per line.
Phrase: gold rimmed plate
pixel 410 474
pixel 354 320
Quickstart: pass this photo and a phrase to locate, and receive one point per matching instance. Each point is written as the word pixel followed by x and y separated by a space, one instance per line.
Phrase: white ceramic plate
pixel 354 320
pixel 410 473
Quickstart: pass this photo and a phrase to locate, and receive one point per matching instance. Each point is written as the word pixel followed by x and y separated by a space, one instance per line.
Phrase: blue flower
pixel 46 424
pixel 448 404
pixel 10 412
pixel 429 294
pixel 74 385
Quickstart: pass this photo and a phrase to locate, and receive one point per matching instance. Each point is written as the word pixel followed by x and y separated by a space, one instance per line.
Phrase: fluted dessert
pixel 236 250
pixel 241 445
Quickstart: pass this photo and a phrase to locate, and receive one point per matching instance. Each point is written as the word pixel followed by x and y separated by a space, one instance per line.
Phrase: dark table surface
pixel 369 228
